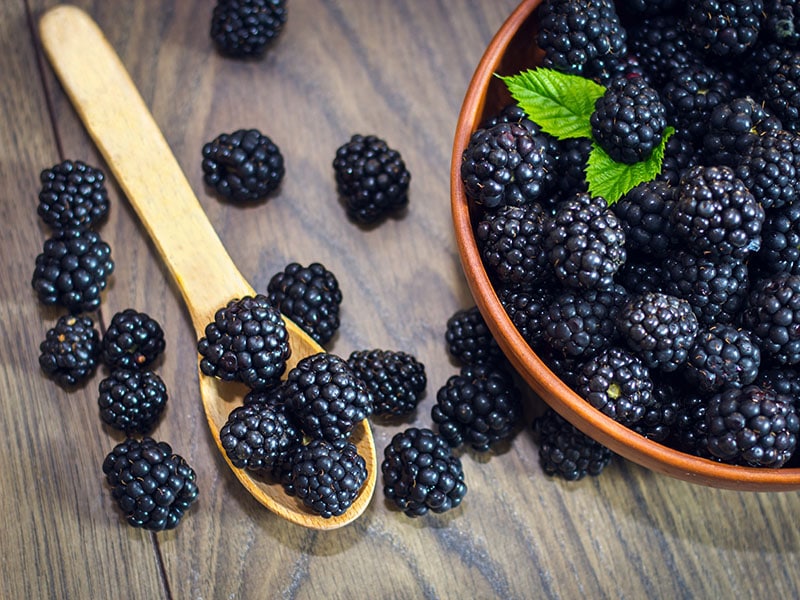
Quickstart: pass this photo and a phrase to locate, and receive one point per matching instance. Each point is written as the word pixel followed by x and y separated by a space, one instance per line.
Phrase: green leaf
pixel 559 103
pixel 612 180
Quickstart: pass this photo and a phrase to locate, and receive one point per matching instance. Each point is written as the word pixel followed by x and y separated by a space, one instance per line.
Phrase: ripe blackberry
pixel 326 397
pixel 659 328
pixel 510 241
pixel 571 164
pixel 371 178
pixel 782 22
pixel 244 166
pixel 690 95
pixel 644 213
pixel 132 400
pixel 715 287
pixel 132 340
pixel 776 76
pixel 733 129
pixel 478 407
pixel 564 367
pixel 583 37
pixel 628 120
pixel 773 316
pixel 770 169
pixel 396 380
pixel 73 196
pixel 722 356
pixel 724 29
pixel 585 242
pixel 752 426
pixel 641 276
pixel 507 164
pixel 247 342
pixel 567 452
pixel 309 296
pixel 525 308
pixel 780 242
pixel 617 384
pixel 420 473
pixel 152 486
pixel 245 28
pixel 661 45
pixel 70 350
pixel 273 396
pixel 257 435
pixel 782 380
pixel 469 339
pixel 72 270
pixel 716 213
pixel 680 154
pixel 690 432
pixel 581 323
pixel 659 420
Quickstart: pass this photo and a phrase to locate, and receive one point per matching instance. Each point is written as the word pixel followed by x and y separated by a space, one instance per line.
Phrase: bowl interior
pixel 512 50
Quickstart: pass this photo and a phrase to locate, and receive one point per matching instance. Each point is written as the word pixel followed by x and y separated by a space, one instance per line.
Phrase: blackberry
pixel 782 22
pixel 469 339
pixel 581 323
pixel 70 350
pixel 244 166
pixel 680 154
pixel 716 213
pixel 733 129
pixel 132 400
pixel 525 308
pixel 583 37
pixel 247 342
pixel 478 407
pixel 571 163
pixel 658 421
pixel 309 296
pixel 641 276
pixel 510 242
pixel 690 95
pixel 72 270
pixel 659 328
pixel 648 7
pixel 773 316
pixel 690 432
pixel 152 486
pixel 326 476
pixel 724 29
pixel 371 178
pixel 585 242
pixel 628 120
pixel 715 287
pixel 326 397
pixel 661 45
pixel 246 28
pixel 395 380
pixel 780 241
pixel 722 356
pixel 564 367
pixel 420 473
pixel 776 76
pixel 257 435
pixel 73 196
pixel 752 426
pixel 617 384
pixel 133 339
pixel 782 380
pixel 507 164
pixel 770 169
pixel 644 213
pixel 273 396
pixel 567 452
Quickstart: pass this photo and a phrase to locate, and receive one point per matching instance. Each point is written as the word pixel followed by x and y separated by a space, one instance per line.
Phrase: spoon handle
pixel 142 162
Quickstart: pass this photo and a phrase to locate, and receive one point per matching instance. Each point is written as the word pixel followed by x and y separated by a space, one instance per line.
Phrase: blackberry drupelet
pixel 152 486
pixel 659 328
pixel 773 316
pixel 565 451
pixel 396 380
pixel 244 166
pixel 420 473
pixel 247 342
pixel 628 120
pixel 752 426
pixel 724 29
pixel 73 196
pixel 507 164
pixel 327 476
pixel 733 129
pixel 245 28
pixel 309 296
pixel 72 270
pixel 644 213
pixel 782 22
pixel 617 384
pixel 257 435
pixel 469 339
pixel 70 350
pixel 371 178
pixel 690 95
pixel 722 356
pixel 132 340
pixel 716 213
pixel 132 400
pixel 478 407
pixel 525 308
pixel 326 397
pixel 770 168
pixel 585 242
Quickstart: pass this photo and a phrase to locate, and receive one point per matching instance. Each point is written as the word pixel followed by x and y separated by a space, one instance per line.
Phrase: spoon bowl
pixel 135 150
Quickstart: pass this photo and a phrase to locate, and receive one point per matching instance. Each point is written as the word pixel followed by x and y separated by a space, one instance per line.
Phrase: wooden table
pixel 399 69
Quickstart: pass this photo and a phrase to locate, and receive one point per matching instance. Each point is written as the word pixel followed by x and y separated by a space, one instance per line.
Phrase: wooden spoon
pixel 137 153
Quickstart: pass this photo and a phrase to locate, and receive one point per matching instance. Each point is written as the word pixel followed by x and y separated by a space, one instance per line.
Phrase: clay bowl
pixel 512 50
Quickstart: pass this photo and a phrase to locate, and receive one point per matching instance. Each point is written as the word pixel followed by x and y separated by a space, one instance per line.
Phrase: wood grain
pixel 399 69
